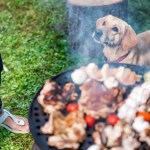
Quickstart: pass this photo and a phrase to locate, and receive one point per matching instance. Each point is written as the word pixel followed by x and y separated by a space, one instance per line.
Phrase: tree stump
pixel 82 16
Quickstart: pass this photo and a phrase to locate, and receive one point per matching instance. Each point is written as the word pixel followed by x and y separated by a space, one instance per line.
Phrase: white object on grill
pixel 79 76
pixel 139 124
pixel 111 82
pixel 94 147
pixel 126 112
pixel 93 71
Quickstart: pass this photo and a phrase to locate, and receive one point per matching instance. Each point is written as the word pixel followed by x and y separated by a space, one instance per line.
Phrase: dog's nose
pixel 98 34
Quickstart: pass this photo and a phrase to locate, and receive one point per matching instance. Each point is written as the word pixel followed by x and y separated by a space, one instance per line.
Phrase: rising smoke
pixel 82 24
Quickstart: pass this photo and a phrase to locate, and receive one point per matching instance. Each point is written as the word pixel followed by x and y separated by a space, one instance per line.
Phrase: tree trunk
pixel 82 16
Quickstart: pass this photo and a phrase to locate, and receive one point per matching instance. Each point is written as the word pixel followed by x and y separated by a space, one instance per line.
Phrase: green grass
pixel 34 48
pixel 33 45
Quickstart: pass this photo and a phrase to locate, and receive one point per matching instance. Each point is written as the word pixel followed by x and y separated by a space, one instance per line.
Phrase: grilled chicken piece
pixel 66 131
pixel 68 92
pixel 48 126
pixel 60 143
pixel 53 97
pixel 99 101
pixel 124 136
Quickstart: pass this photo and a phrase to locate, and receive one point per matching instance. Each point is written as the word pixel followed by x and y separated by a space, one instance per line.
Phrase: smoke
pixel 82 24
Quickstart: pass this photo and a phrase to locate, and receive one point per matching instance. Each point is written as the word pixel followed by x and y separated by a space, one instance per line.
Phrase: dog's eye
pixel 115 29
pixel 104 23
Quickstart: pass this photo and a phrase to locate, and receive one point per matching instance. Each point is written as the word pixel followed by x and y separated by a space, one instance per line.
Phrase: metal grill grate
pixel 38 118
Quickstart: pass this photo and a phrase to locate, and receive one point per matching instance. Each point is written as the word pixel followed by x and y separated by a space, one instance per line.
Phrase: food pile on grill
pixel 118 121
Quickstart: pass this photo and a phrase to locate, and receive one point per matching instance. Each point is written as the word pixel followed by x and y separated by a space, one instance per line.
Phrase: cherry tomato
pixel 145 115
pixel 72 107
pixel 112 119
pixel 89 120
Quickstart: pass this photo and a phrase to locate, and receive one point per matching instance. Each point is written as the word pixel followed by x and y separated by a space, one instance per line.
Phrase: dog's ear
pixel 101 21
pixel 130 38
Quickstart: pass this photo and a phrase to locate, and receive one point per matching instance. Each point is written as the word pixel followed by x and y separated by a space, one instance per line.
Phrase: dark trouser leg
pixel 0 106
pixel 1 68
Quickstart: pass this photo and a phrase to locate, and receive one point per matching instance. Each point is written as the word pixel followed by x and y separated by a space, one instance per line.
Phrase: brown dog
pixel 121 44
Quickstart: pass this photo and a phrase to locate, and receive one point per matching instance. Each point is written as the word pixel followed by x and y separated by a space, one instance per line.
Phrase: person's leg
pixel 0 107
pixel 13 123
pixel 1 68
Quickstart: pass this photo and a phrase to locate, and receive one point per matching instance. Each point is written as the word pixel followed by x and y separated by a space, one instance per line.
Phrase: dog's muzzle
pixel 97 34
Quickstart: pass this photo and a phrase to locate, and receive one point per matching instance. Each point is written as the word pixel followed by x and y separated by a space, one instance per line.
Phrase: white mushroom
pixel 126 112
pixel 139 124
pixel 111 82
pixel 79 76
pixel 93 71
pixel 105 71
pixel 120 72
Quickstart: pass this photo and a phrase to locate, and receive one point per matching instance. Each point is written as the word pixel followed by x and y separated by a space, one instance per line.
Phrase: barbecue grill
pixel 37 118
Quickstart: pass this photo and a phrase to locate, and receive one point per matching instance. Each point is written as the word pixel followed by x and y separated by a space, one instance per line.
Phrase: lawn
pixel 33 44
pixel 34 48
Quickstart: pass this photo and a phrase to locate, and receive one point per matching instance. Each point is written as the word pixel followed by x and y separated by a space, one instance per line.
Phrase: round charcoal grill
pixel 37 118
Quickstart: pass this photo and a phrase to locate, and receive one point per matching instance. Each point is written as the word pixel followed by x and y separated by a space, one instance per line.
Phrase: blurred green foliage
pixel 139 15
pixel 33 44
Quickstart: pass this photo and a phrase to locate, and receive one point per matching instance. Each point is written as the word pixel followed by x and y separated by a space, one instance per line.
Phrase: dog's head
pixel 112 31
